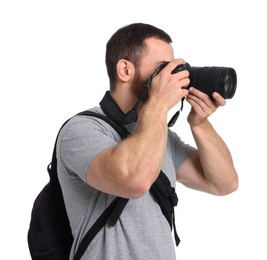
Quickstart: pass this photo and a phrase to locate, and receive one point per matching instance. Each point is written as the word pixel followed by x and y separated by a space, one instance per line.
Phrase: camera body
pixel 210 79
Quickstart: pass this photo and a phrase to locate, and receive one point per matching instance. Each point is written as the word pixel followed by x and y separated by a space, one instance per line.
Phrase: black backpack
pixel 49 235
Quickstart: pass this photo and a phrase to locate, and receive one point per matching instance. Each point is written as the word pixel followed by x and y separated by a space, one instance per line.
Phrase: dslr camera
pixel 210 79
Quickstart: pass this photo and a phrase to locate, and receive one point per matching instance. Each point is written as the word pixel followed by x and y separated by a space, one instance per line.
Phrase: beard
pixel 138 86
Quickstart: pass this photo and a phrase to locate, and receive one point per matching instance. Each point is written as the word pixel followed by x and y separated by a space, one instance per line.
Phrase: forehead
pixel 156 52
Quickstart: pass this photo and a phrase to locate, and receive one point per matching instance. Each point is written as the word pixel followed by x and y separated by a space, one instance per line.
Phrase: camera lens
pixel 210 79
pixel 228 83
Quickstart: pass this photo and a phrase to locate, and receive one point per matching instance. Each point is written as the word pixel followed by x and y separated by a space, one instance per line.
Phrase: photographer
pixel 95 164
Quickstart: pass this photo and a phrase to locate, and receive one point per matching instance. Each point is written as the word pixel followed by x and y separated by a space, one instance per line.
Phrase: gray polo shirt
pixel 142 232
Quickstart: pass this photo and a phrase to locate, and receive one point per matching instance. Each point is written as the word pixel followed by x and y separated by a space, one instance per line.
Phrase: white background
pixel 52 66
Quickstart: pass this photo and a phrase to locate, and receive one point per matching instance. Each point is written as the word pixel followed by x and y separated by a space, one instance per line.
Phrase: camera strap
pixel 132 116
pixel 176 115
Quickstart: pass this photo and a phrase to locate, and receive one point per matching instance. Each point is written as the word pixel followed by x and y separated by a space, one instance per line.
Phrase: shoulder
pixel 88 125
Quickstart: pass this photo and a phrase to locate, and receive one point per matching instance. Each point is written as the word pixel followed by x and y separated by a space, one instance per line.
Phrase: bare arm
pixel 129 169
pixel 211 168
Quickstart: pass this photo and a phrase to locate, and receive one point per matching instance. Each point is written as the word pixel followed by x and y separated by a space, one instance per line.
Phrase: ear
pixel 125 70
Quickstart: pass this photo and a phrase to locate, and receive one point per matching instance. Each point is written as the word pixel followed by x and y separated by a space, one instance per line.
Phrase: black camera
pixel 210 79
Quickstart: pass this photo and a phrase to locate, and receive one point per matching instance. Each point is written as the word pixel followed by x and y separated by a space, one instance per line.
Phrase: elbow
pixel 139 188
pixel 139 181
pixel 235 185
pixel 229 187
pixel 140 184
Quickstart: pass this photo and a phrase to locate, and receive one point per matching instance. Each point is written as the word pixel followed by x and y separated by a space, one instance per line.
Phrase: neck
pixel 123 99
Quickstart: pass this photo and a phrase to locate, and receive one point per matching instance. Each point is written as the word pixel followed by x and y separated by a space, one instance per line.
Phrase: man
pixel 95 165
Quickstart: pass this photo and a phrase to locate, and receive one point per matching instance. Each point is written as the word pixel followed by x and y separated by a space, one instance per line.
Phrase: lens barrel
pixel 210 79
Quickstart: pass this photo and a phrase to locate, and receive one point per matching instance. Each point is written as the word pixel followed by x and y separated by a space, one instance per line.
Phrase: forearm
pixel 215 158
pixel 130 168
pixel 141 154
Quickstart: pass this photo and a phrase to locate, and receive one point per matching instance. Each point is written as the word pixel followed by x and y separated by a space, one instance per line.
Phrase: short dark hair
pixel 128 43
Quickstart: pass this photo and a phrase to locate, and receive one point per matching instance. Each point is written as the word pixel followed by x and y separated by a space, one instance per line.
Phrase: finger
pixel 196 106
pixel 202 98
pixel 172 65
pixel 218 99
pixel 183 83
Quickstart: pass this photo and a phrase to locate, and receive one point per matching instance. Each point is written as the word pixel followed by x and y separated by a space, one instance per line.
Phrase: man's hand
pixel 202 105
pixel 168 89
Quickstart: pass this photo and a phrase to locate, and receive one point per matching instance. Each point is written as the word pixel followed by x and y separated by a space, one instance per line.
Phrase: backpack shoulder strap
pixel 112 213
pixel 52 167
pixel 91 233
pixel 121 202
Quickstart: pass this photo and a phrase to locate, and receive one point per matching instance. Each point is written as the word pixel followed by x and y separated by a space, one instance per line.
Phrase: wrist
pixel 153 115
pixel 202 127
